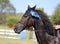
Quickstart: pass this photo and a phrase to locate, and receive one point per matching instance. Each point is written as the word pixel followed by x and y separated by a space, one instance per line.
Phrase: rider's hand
pixel 57 27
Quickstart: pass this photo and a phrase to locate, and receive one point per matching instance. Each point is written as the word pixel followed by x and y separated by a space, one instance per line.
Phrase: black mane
pixel 47 23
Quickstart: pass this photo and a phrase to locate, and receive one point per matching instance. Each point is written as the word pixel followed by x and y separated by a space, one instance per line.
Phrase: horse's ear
pixel 34 7
pixel 28 7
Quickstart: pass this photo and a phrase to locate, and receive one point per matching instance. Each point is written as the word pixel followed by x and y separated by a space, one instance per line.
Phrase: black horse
pixel 42 26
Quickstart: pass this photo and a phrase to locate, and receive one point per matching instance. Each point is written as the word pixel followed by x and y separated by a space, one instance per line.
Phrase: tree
pixel 10 9
pixel 5 7
pixel 56 16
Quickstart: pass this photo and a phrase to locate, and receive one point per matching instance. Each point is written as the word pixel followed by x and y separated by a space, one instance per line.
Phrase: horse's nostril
pixel 15 30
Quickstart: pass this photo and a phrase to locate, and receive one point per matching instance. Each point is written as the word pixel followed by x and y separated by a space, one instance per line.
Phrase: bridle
pixel 26 25
pixel 35 19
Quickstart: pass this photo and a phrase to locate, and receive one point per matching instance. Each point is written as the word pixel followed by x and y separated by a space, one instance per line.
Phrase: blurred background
pixel 11 12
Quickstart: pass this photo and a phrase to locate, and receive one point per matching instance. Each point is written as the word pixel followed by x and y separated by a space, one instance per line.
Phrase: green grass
pixel 12 41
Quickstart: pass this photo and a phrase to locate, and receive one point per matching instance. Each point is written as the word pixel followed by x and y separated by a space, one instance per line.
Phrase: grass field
pixel 12 41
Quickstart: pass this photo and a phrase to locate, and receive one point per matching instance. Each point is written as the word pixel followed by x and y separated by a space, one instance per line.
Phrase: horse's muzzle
pixel 16 31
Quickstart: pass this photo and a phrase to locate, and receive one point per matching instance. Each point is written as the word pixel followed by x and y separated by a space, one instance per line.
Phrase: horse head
pixel 27 20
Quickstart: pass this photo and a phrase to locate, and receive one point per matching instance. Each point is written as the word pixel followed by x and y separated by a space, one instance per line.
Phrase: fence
pixel 8 34
pixel 13 38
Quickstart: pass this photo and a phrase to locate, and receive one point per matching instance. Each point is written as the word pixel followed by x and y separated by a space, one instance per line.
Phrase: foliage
pixel 13 19
pixel 5 7
pixel 56 16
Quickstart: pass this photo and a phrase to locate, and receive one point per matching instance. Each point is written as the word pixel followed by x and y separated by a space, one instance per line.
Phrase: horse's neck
pixel 40 34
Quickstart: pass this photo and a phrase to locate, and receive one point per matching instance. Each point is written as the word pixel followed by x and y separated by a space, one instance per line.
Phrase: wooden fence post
pixel 29 33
